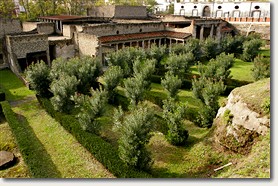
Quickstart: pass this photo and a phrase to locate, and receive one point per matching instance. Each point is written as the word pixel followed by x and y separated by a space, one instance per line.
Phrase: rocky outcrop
pixel 237 125
pixel 6 159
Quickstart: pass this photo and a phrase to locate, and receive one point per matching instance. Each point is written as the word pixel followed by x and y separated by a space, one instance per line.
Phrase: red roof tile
pixel 147 35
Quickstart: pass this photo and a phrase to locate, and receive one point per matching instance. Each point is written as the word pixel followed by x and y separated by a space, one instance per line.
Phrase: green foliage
pixel 210 48
pixel 230 44
pixel 171 84
pixel 136 86
pixel 251 49
pixel 135 89
pixel 193 45
pixel 266 105
pixel 85 69
pixel 261 68
pixel 103 151
pixel 2 96
pixel 6 8
pixel 62 89
pixel 208 91
pixel 173 113
pixel 157 53
pixel 179 64
pixel 125 59
pixel 135 134
pixel 91 108
pixel 112 78
pixel 38 77
pixel 218 68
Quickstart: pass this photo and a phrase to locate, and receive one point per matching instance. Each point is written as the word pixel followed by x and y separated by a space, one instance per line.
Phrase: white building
pixel 222 8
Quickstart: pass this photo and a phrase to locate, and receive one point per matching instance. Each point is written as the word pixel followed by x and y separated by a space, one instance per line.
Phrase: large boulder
pixel 243 119
pixel 6 159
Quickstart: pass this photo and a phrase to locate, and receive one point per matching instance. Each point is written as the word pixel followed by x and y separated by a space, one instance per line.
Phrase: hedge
pixel 2 95
pixel 103 151
pixel 35 156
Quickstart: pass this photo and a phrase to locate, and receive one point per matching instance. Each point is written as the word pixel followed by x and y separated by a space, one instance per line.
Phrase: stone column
pixel 194 31
pixel 218 31
pixel 149 43
pixel 117 46
pixel 202 32
pixel 211 30
pixel 143 44
pixel 159 43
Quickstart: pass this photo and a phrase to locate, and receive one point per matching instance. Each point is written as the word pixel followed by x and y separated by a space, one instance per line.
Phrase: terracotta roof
pixel 226 29
pixel 146 35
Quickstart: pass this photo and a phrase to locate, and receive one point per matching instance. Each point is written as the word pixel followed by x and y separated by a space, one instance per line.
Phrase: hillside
pixel 243 128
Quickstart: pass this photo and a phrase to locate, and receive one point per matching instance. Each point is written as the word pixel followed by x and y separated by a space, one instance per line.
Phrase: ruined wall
pixel 65 50
pixel 9 26
pixel 102 11
pixel 261 28
pixel 29 26
pixel 123 28
pixel 87 44
pixel 46 28
pixel 20 45
pixel 112 11
pixel 129 12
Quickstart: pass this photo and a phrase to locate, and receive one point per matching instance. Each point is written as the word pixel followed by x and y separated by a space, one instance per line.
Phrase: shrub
pixel 111 78
pixel 103 151
pixel 85 69
pixel 135 134
pixel 193 46
pixel 144 69
pixel 90 109
pixel 157 53
pixel 261 68
pixel 218 68
pixel 171 84
pixel 38 77
pixel 210 48
pixel 125 59
pixel 62 89
pixel 208 91
pixel 173 114
pixel 179 64
pixel 135 88
pixel 251 49
pixel 2 95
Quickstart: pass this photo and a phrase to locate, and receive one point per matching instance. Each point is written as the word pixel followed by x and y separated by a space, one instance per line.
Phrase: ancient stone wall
pixel 20 45
pixel 46 28
pixel 261 28
pixel 87 44
pixel 112 11
pixel 123 28
pixel 9 26
pixel 29 26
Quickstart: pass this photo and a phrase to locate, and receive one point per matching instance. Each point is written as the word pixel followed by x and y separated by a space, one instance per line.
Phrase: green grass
pixel 242 71
pixel 8 143
pixel 47 149
pixel 254 165
pixel 13 87
pixel 60 148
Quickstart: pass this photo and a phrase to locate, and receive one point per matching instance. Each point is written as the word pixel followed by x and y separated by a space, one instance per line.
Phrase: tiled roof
pixel 146 35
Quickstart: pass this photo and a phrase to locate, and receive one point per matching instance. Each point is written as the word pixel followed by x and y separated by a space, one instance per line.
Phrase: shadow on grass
pixel 35 156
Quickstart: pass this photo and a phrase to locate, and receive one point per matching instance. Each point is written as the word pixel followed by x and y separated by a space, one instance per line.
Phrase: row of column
pixel 147 43
pixel 212 28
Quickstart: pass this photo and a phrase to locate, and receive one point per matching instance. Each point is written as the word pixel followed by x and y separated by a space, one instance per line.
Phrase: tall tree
pixel 7 8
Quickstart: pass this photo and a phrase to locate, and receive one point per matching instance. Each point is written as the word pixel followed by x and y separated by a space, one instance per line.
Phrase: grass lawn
pixel 8 143
pixel 13 87
pixel 50 150
pixel 242 71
